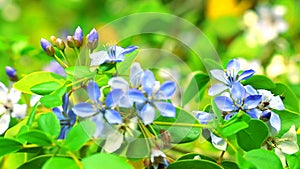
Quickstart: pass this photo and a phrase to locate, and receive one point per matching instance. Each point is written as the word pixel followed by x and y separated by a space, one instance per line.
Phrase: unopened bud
pixel 47 47
pixel 53 39
pixel 70 41
pixel 60 44
pixel 92 39
pixel 11 73
pixel 78 37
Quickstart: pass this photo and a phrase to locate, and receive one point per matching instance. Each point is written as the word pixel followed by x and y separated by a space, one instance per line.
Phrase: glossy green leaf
pixel 106 66
pixel 33 79
pixel 195 164
pixel 80 134
pixel 9 146
pixel 51 101
pixel 61 163
pixel 36 137
pixel 105 161
pixel 79 72
pixel 180 134
pixel 260 82
pixel 36 162
pixel 288 118
pixel 229 165
pixel 263 159
pixel 237 123
pixel 253 136
pixel 198 81
pixel 45 88
pixel 293 161
pixel 49 123
pixel 289 97
pixel 195 156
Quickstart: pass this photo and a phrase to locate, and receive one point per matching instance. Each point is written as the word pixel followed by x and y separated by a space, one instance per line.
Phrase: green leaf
pixel 50 101
pixel 36 162
pixel 80 134
pixel 229 165
pixel 49 123
pixel 36 137
pixel 105 161
pixel 180 134
pixel 194 164
pixel 260 82
pixel 293 161
pixel 9 146
pixel 288 118
pixel 138 148
pixel 288 95
pixel 79 72
pixel 263 159
pixel 237 123
pixel 198 81
pixel 106 66
pixel 30 80
pixel 253 136
pixel 195 155
pixel 61 163
pixel 45 88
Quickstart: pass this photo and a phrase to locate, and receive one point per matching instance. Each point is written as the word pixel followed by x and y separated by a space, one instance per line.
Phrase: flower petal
pixel 98 58
pixel 65 102
pixel 168 89
pixel 252 101
pixel 148 81
pixel 218 142
pixel 217 89
pixel 224 103
pixel 84 110
pixel 19 111
pixel 118 83
pixel 166 109
pixel 136 95
pixel 113 117
pixel 129 49
pixel 72 117
pixel 93 91
pixel 136 73
pixel 276 103
pixel 147 114
pixel 254 113
pixel 250 90
pixel 237 91
pixel 98 119
pixel 113 97
pixel 14 95
pixel 58 113
pixel 275 123
pixel 113 142
pixel 246 74
pixel 219 75
pixel 204 117
pixel 289 144
pixel 233 67
pixel 4 122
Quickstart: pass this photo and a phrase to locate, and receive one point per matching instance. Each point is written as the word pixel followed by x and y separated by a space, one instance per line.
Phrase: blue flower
pixel 96 110
pixel 66 117
pixel 228 77
pixel 92 39
pixel 238 99
pixel 112 54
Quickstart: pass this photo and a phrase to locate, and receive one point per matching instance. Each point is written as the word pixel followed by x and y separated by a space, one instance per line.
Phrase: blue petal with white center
pixel 113 117
pixel 147 114
pixel 224 103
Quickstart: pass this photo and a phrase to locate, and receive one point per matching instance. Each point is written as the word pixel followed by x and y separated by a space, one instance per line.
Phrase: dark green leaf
pixel 194 164
pixel 51 101
pixel 229 165
pixel 36 162
pixel 289 97
pixel 253 136
pixel 260 82
pixel 195 155
pixel 197 82
pixel 9 146
pixel 263 159
pixel 36 137
pixel 61 163
pixel 180 134
pixel 80 134
pixel 45 88
pixel 50 124
pixel 288 118
pixel 105 161
pixel 106 66
pixel 30 80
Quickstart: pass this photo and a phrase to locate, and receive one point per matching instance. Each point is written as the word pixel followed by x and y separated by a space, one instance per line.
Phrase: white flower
pixel 9 106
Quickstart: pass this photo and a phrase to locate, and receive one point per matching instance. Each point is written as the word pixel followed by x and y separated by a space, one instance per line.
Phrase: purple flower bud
pixel 93 39
pixel 11 73
pixel 47 47
pixel 78 36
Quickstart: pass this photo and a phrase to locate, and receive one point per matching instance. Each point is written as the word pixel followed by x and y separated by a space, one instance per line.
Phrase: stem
pixel 180 124
pixel 77 54
pixel 221 157
pixel 79 164
pixel 32 114
pixel 64 56
pixel 60 62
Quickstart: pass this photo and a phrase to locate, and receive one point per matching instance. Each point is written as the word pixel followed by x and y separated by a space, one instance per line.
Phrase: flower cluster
pixel 233 97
